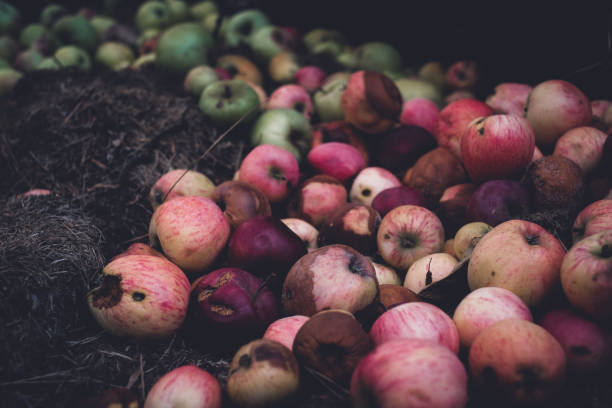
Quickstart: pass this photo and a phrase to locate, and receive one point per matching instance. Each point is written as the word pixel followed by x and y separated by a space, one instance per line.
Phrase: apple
pixel 554 107
pixel 371 102
pixel 74 30
pixel 582 145
pixel 30 33
pixel 415 88
pixel 594 218
pixel 496 201
pixel 183 183
pixel 457 95
pixel 152 14
pixel 283 67
pixel 497 147
pixel 242 25
pixel 114 55
pixel 201 9
pixel 187 385
pixel 286 128
pixel 316 199
pixel 306 231
pixel 509 98
pixel 385 275
pixel 183 47
pixel 378 56
pixel 284 329
pixel 141 296
pixel 72 56
pixel 433 72
pixel 519 256
pixel 409 373
pixel 452 206
pixel 466 235
pixel 51 13
pixel 27 60
pixel 191 232
pixel 323 41
pixel 428 270
pixel 339 160
pixel 291 96
pixel 8 80
pixel 341 132
pixel 369 182
pixel 327 99
pixel 399 148
pixel 138 248
pixel 270 40
pixel 271 169
pixel 484 307
pixel 199 78
pixel 420 112
pixel 416 320
pixel 225 102
pixel 393 197
pixel 517 362
pixel 351 224
pixel 240 67
pixel 454 119
pixel 310 78
pixel 462 75
pixel 9 18
pixel 586 277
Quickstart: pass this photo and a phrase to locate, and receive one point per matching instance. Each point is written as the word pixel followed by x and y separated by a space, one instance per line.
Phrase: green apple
pixel 327 98
pixel 286 128
pixel 31 33
pixel 102 24
pixel 8 79
pixel 182 47
pixel 224 102
pixel 48 63
pixel 241 26
pixel 51 13
pixel 433 72
pixel 9 18
pixel 347 58
pixel 73 56
pixel 199 78
pixel 202 9
pixel 146 36
pixel 413 87
pixel 153 14
pixel 115 55
pixel 74 30
pixel 179 10
pixel 378 56
pixel 4 64
pixel 8 47
pixel 28 60
pixel 321 40
pixel 269 41
pixel 142 61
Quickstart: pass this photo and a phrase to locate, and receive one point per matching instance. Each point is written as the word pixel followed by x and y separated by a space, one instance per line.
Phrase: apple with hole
pixel 271 169
pixel 316 199
pixel 186 385
pixel 327 99
pixel 497 147
pixel 225 102
pixel 240 67
pixel 152 14
pixel 286 128
pixel 509 98
pixel 420 112
pixel 394 197
pixel 583 341
pixel 242 25
pixel 416 320
pixel 310 78
pixel 554 107
pixel 517 363
pixel 191 232
pixel 409 372
pixel 269 41
pixel 586 275
pixel 428 270
pixel 519 256
pixel 454 119
pixel 371 181
pixel 594 218
pixel 399 148
pixel 291 96
pixel 183 183
pixel 496 201
pixel 339 160
pixel 141 296
pixel 582 145
pixel 303 229
pixel 352 224
pixel 484 307
pixel 408 233
pixel 462 75
pixel 466 235
pixel 284 329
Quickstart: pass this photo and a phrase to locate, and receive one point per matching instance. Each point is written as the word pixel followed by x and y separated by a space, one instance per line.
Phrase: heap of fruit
pixel 367 184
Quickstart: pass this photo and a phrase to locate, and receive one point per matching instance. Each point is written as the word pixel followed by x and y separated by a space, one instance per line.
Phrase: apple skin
pixel 286 128
pixel 284 329
pixel 386 275
pixel 407 233
pixel 183 47
pixel 582 145
pixel 393 197
pixel 308 233
pixel 240 201
pixel 225 102
pixel 142 296
pixel 369 182
pixel 400 147
pixel 496 201
pixel 339 160
pixel 341 132
pixel 466 234
pixel 271 169
pixel 240 67
pixel 509 98
pixel 199 78
pixel 586 277
pixel 316 199
pixel 594 218
pixel 519 256
pixel 139 248
pixel 497 147
pixel 371 102
pixel 583 341
pixel 452 206
pixel 269 41
pixel 187 385
pixel 454 119
pixel 418 320
pixel 241 26
pixel 554 107
pixel 408 372
pixel 192 183
pixel 114 55
pixel 291 96
pixel 428 270
pixel 191 231
pixel 352 224
pixel 310 78
pixel 283 67
pixel 327 99
pixel 517 363
pixel 378 56
pixel 485 307
pixel 462 75
pixel 420 112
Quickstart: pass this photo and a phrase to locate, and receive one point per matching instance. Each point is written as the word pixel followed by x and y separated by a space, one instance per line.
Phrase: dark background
pixel 512 41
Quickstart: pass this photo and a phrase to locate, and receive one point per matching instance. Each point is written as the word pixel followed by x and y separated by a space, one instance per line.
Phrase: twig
pixel 332 386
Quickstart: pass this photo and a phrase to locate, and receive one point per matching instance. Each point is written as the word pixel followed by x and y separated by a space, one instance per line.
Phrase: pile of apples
pixel 364 186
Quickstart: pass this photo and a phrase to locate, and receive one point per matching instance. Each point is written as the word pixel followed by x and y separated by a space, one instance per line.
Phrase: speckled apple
pixel 509 98
pixel 316 199
pixel 192 183
pixel 187 385
pixel 284 329
pixel 429 270
pixel 582 145
pixel 594 218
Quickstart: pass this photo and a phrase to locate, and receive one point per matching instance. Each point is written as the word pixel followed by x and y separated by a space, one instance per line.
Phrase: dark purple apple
pixel 400 147
pixel 264 245
pixel 452 206
pixel 393 197
pixel 231 302
pixel 353 224
pixel 497 201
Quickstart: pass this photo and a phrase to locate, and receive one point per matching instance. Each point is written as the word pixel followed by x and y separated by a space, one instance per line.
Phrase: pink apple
pixel 554 107
pixel 582 145
pixel 185 386
pixel 409 373
pixel 420 112
pixel 304 230
pixel 509 98
pixel 191 232
pixel 284 330
pixel 183 183
pixel 139 248
pixel 340 160
pixel 454 119
pixel 462 75
pixel 416 320
pixel 316 199
pixel 271 169
pixel 484 307
pixel 519 256
pixel 371 181
pixel 594 218
pixel 407 233
pixel 291 97
pixel 428 270
pixel 310 77
pixel 497 147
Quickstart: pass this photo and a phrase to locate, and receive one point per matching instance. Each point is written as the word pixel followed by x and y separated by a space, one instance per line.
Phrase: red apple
pixel 452 206
pixel 582 145
pixel 317 199
pixel 339 160
pixel 393 197
pixel 185 386
pixel 594 218
pixel 399 148
pixel 183 183
pixel 310 77
pixel 462 75
pixel 291 97
pixel 342 132
pixel 420 112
